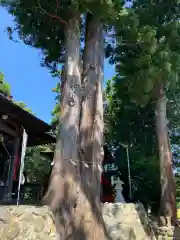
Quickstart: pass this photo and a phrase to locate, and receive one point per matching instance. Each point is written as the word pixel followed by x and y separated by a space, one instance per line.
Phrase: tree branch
pixel 52 15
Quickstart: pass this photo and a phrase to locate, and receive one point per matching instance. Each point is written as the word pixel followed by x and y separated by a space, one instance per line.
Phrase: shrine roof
pixel 36 128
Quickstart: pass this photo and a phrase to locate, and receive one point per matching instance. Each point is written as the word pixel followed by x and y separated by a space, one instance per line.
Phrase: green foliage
pixel 177 178
pixel 4 86
pixel 56 111
pixel 38 29
pixel 41 24
pixel 129 124
pixel 37 164
pixel 147 49
pixel 146 52
pixel 24 106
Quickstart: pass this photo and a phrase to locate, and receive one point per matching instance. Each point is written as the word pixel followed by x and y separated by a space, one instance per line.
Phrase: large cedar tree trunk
pixel 168 189
pixel 91 132
pixel 63 188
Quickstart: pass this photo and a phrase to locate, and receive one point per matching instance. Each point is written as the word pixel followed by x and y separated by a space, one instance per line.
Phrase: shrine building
pixel 18 129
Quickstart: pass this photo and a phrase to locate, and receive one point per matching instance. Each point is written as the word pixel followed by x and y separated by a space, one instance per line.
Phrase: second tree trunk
pixel 168 192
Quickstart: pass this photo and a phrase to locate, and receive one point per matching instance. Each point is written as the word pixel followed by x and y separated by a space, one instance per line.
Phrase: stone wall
pixel 124 222
pixel 26 223
pixel 166 233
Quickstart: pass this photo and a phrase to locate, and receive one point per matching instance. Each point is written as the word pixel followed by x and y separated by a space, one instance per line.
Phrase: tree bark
pixel 63 188
pixel 168 190
pixel 74 189
pixel 91 133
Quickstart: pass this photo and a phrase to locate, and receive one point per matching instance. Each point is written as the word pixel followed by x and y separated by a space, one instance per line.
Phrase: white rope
pixel 85 164
pixel 100 168
pixel 73 162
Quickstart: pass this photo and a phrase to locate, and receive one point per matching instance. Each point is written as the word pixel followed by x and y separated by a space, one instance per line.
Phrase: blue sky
pixel 29 82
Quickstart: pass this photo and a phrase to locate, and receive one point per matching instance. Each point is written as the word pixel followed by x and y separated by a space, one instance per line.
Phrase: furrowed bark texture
pixel 74 190
pixel 91 133
pixel 168 190
pixel 63 189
